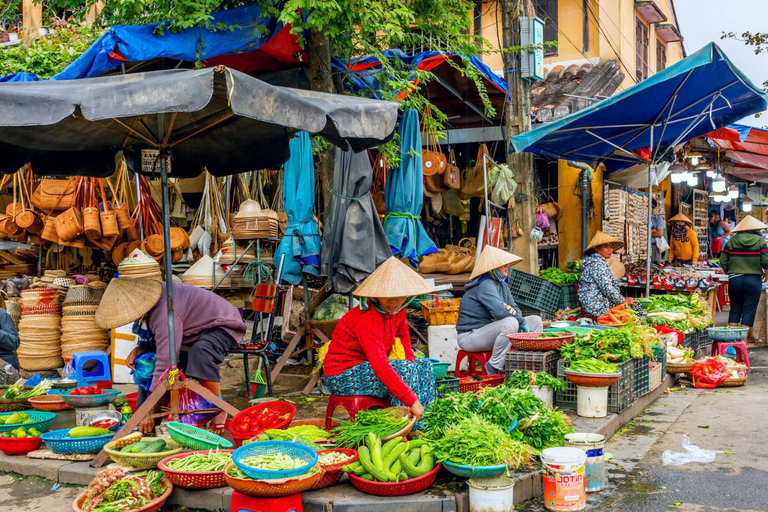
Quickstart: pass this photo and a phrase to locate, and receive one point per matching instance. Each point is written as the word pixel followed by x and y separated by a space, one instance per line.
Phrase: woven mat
pixel 48 454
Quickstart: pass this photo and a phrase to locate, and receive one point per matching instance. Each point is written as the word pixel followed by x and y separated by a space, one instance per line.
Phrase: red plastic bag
pixel 708 373
pixel 665 329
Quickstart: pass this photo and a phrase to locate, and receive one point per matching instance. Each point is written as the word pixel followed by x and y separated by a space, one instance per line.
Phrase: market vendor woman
pixel 488 312
pixel 598 286
pixel 370 353
pixel 683 241
pixel 207 326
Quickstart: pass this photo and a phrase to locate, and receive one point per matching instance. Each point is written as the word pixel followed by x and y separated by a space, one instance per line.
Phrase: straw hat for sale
pixel 601 238
pixel 126 300
pixel 682 218
pixel 749 223
pixel 248 208
pixel 393 278
pixel 492 258
pixel 617 268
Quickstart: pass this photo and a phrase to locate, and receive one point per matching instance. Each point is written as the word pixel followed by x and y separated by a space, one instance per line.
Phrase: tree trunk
pixel 518 120
pixel 321 79
pixel 32 18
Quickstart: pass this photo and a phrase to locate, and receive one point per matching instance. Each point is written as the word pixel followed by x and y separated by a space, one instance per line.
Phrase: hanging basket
pixel 69 224
pixel 123 215
pixel 91 222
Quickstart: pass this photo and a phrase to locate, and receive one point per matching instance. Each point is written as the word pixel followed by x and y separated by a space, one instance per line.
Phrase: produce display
pixel 332 458
pixel 133 437
pixel 21 433
pixel 615 345
pixel 257 421
pixel 549 335
pixel 80 432
pixel 85 391
pixel 236 472
pixel 617 316
pixel 393 461
pixel 274 462
pixel 693 306
pixel 679 355
pixel 559 277
pixel 381 422
pixel 475 441
pixel 214 460
pixel 16 390
pixel 309 433
pixel 112 490
pixel 157 446
pixel 17 418
pixel 593 366
pixel 524 379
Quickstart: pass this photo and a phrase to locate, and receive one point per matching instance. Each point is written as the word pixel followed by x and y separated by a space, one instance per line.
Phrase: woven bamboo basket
pixel 679 368
pixel 734 383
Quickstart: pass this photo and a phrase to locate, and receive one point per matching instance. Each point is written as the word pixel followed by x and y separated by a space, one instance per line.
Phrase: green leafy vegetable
pixel 631 341
pixel 523 379
pixel 593 366
pixel 382 422
pixel 559 277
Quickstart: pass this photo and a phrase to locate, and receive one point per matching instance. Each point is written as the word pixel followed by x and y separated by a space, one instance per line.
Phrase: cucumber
pixel 415 471
pixel 367 476
pixel 136 447
pixel 374 444
pixel 418 443
pixel 396 467
pixel 414 456
pixel 427 463
pixel 389 445
pixel 365 460
pixel 393 456
pixel 352 468
pixel 154 447
pixel 79 432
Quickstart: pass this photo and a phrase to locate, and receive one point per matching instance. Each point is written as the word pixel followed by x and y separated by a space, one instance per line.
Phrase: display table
pixel 639 290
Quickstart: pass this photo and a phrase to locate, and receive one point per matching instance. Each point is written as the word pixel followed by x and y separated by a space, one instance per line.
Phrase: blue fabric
pixel 20 77
pixel 705 78
pixel 134 43
pixel 743 130
pixel 361 73
pixel 404 195
pixel 301 243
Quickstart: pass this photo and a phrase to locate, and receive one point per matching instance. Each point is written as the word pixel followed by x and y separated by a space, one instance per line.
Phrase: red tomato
pixel 75 392
pixel 94 390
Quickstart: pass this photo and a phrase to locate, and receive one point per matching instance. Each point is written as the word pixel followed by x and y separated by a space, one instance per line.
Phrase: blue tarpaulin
pixel 301 243
pixel 404 195
pixel 694 96
pixel 251 30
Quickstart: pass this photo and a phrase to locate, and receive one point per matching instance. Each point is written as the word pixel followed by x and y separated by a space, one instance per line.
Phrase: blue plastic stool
pixel 80 359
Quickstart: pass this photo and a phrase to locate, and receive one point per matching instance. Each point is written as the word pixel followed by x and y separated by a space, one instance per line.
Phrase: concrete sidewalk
pixel 443 497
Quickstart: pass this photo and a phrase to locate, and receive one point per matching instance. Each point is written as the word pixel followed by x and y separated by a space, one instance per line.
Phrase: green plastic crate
pixel 642 378
pixel 620 394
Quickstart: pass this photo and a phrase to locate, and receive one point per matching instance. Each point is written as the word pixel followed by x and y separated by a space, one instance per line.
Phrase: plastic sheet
pixel 708 373
pixel 692 453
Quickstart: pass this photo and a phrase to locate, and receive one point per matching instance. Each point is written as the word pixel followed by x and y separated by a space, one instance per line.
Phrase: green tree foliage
pixel 757 40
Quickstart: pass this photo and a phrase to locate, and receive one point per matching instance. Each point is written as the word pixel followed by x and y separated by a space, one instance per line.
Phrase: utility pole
pixel 518 120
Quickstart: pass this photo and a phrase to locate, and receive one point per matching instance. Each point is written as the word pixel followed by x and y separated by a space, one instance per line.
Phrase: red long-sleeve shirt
pixel 368 335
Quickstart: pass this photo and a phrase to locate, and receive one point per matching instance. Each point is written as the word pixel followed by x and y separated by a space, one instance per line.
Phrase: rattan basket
pixel 142 460
pixel 679 368
pixel 734 383
pixel 273 488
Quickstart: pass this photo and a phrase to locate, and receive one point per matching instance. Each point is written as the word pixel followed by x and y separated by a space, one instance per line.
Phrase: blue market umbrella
pixel 404 196
pixel 301 243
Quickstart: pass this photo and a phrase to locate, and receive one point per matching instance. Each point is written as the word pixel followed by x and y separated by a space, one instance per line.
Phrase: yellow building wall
pixel 569 226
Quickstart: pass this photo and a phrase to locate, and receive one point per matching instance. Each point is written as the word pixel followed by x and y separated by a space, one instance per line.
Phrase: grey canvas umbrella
pixel 219 119
pixel 354 242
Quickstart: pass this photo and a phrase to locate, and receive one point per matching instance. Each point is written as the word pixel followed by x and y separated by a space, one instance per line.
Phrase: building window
pixel 547 11
pixel 641 50
pixel 661 56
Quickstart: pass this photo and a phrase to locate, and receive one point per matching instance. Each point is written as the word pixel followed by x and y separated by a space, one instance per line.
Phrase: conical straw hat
pixel 493 258
pixel 126 300
pixel 680 217
pixel 248 208
pixel 202 268
pixel 137 257
pixel 393 278
pixel 601 238
pixel 617 268
pixel 749 223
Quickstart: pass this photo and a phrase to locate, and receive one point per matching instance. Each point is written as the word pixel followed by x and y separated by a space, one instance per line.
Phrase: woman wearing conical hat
pixel 370 353
pixel 683 241
pixel 745 260
pixel 598 285
pixel 488 312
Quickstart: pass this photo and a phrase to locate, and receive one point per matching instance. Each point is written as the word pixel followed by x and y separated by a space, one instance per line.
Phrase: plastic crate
pixel 702 339
pixel 447 313
pixel 620 394
pixel 688 341
pixel 656 376
pixel 642 371
pixel 570 297
pixel 660 356
pixel 540 294
pixel 451 385
pixel 531 361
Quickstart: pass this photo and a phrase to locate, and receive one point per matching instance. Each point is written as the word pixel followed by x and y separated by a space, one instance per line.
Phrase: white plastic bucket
pixel 491 494
pixel 594 469
pixel 564 486
pixel 591 402
pixel 545 393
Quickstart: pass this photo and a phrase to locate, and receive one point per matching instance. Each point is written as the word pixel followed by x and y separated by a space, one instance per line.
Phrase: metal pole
pixel 650 212
pixel 138 199
pixel 584 208
pixel 167 253
pixel 485 197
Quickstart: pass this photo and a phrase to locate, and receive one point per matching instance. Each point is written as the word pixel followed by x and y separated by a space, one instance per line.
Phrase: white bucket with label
pixel 564 486
pixel 593 445
pixel 545 393
pixel 591 402
pixel 491 494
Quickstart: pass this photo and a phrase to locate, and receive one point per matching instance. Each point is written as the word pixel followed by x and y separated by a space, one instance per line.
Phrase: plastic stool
pixel 243 503
pixel 474 358
pixel 352 404
pixel 720 348
pixel 80 359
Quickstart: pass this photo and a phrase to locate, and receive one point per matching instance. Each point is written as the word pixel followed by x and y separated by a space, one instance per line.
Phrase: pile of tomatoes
pixel 255 421
pixel 86 391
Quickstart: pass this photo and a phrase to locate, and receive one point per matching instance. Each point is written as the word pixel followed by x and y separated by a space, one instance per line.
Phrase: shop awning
pixel 748 159
pixel 694 96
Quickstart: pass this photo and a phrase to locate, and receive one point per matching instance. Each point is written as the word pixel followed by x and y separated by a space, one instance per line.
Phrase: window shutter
pixel 547 11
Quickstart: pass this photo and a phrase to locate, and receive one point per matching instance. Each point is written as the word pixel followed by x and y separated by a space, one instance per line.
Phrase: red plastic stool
pixel 352 404
pixel 719 348
pixel 473 358
pixel 243 503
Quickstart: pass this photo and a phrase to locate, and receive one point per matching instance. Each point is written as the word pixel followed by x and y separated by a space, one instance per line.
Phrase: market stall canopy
pixel 217 118
pixel 253 42
pixel 694 96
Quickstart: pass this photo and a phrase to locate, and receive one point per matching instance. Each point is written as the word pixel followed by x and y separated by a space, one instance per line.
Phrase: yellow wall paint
pixel 569 226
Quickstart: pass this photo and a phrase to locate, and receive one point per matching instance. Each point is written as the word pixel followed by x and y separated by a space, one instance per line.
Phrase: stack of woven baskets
pixel 79 332
pixel 139 265
pixel 40 330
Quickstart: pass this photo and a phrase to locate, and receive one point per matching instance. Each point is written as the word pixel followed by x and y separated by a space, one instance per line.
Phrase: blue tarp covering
pixel 701 93
pixel 135 43
pixel 361 75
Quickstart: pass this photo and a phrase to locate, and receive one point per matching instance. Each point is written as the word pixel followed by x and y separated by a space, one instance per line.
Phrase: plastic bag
pixel 333 308
pixel 145 369
pixel 692 453
pixel 669 336
pixel 542 221
pixel 191 401
pixel 708 373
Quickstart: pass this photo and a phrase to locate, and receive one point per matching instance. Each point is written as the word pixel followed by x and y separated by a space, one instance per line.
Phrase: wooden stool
pixel 719 348
pixel 352 404
pixel 474 358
